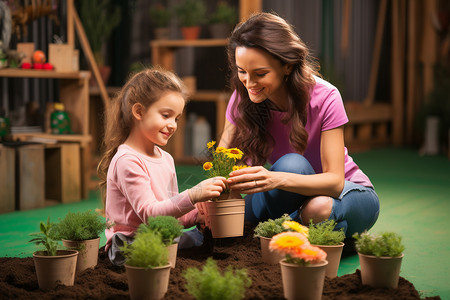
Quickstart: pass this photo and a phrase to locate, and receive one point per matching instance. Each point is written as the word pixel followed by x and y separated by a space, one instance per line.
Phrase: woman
pixel 283 113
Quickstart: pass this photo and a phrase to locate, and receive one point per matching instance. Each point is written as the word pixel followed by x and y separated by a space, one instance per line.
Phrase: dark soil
pixel 18 278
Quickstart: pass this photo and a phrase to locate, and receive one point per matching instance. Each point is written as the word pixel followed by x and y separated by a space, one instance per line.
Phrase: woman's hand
pixel 252 180
pixel 207 189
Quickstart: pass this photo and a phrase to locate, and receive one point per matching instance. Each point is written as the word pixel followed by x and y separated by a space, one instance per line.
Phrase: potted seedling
pixel 52 266
pixel 209 283
pixel 160 17
pixel 147 266
pixel 191 14
pixel 380 258
pixel 329 240
pixel 265 231
pixel 170 230
pixel 225 214
pixel 222 20
pixel 81 231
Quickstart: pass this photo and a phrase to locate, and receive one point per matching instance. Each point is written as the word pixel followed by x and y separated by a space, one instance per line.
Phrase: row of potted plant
pixel 191 14
pixel 80 235
pixel 307 254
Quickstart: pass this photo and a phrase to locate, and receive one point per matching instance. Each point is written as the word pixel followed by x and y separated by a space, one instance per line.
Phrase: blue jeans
pixel 355 210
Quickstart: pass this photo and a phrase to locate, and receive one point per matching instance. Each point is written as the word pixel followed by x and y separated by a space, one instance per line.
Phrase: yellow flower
pixel 207 165
pixel 235 168
pixel 295 226
pixel 234 153
pixel 220 149
pixel 211 144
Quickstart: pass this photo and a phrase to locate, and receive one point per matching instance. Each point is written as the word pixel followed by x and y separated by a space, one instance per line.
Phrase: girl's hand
pixel 252 180
pixel 207 189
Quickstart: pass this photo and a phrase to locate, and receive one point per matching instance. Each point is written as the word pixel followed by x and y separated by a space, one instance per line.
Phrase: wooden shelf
pixel 189 43
pixel 82 139
pixel 29 73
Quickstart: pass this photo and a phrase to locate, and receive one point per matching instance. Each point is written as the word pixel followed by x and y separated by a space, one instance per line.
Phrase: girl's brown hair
pixel 274 35
pixel 144 87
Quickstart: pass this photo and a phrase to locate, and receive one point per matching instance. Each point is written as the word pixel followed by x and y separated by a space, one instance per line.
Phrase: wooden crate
pixel 30 177
pixel 7 179
pixel 63 172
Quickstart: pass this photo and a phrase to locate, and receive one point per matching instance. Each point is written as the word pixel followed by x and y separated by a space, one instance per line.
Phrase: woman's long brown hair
pixel 145 87
pixel 273 34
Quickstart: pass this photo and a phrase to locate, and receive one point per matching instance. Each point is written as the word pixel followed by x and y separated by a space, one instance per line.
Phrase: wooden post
pixel 376 53
pixel 429 46
pixel 411 92
pixel 397 64
pixel 70 29
pixel 248 7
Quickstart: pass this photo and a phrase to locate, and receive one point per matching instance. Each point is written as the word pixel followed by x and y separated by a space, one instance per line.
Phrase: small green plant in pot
pixel 81 231
pixel 170 230
pixel 191 14
pixel 160 17
pixel 222 20
pixel 52 266
pixel 209 283
pixel 265 231
pixel 380 257
pixel 147 266
pixel 329 240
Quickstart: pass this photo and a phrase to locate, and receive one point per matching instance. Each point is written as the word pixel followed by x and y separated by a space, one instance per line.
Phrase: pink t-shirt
pixel 139 186
pixel 325 111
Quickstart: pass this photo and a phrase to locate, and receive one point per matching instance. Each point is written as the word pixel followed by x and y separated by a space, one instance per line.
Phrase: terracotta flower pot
pixel 269 257
pixel 162 33
pixel 303 282
pixel 225 216
pixel 190 33
pixel 173 250
pixel 148 284
pixel 54 270
pixel 334 253
pixel 88 252
pixel 380 271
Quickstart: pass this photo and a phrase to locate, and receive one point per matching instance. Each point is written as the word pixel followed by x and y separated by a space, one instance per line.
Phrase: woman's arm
pixel 227 134
pixel 329 183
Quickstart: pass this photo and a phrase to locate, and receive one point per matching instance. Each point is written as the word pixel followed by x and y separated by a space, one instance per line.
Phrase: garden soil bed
pixel 18 278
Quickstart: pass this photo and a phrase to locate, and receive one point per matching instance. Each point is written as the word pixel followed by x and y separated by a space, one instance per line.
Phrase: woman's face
pixel 262 75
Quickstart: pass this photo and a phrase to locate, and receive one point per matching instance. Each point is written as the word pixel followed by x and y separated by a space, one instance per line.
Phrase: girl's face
pixel 262 75
pixel 159 122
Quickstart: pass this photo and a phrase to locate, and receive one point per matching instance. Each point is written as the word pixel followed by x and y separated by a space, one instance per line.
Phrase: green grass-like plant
pixel 210 284
pixel 191 12
pixel 323 233
pixel 79 226
pixel 271 227
pixel 224 13
pixel 167 226
pixel 44 238
pixel 384 244
pixel 147 251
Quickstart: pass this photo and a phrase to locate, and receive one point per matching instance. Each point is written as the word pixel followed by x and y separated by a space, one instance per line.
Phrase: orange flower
pixel 310 253
pixel 220 149
pixel 296 248
pixel 235 168
pixel 207 165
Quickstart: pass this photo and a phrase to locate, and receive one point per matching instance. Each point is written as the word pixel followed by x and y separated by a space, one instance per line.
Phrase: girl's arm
pixel 329 183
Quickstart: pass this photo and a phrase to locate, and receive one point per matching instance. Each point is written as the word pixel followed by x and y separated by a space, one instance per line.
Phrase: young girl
pixel 139 176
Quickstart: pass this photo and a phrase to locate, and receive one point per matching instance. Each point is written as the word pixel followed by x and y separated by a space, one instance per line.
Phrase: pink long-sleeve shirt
pixel 139 186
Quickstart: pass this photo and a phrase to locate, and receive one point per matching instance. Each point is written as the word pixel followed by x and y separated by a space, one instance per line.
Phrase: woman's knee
pixel 293 163
pixel 317 209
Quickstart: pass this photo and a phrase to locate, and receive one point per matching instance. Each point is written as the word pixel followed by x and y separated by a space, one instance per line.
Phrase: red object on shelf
pixel 39 57
pixel 26 65
pixel 37 66
pixel 47 66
